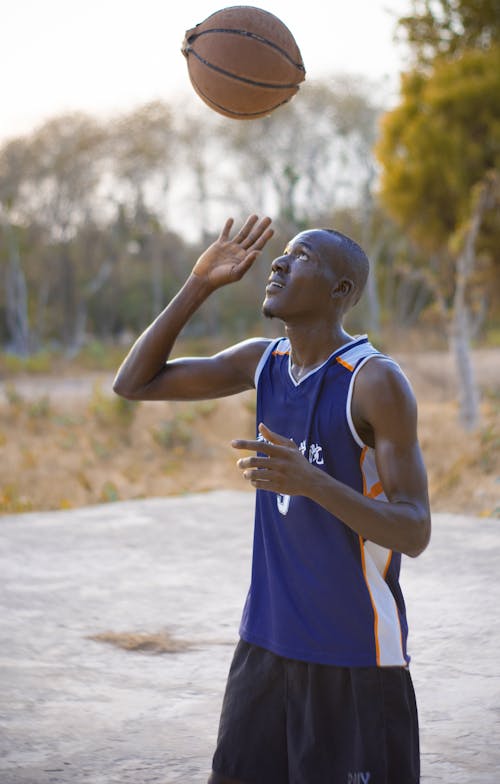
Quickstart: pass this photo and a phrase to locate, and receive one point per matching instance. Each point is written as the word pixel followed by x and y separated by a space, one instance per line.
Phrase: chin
pixel 267 310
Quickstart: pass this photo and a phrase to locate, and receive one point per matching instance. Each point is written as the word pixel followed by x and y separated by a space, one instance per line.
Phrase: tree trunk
pixel 17 299
pixel 81 311
pixel 373 248
pixel 460 345
pixel 460 333
pixel 156 265
pixel 372 291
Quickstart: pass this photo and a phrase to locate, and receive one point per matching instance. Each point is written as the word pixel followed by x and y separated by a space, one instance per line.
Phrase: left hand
pixel 284 469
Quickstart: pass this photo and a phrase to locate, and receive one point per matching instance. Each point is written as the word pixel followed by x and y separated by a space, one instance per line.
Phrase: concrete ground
pixel 73 709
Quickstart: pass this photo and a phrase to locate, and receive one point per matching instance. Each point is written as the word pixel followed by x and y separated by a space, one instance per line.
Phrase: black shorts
pixel 291 722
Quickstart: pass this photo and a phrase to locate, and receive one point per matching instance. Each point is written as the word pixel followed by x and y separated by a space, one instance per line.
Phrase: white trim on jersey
pixel 262 361
pixel 348 405
pixel 348 411
pixel 388 635
pixel 376 559
pixel 342 349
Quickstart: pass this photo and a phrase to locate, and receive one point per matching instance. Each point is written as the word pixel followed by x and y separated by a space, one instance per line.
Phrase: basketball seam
pixel 247 34
pixel 240 114
pixel 218 69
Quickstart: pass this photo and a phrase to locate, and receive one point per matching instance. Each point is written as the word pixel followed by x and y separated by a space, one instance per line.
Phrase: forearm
pixel 399 525
pixel 144 374
pixel 151 351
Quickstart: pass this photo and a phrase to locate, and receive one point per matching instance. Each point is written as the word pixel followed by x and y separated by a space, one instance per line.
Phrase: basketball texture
pixel 243 62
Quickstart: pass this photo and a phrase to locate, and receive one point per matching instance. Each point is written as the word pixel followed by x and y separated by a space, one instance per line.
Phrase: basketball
pixel 243 62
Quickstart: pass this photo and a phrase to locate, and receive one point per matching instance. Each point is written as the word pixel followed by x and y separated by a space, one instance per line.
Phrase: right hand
pixel 227 260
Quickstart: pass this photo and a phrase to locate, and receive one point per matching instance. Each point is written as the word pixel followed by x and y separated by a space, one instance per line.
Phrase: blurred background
pixel 114 176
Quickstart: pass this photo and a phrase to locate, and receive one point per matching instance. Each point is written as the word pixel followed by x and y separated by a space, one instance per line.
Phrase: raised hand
pixel 227 260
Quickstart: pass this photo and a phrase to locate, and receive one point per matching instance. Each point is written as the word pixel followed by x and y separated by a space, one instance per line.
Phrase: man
pixel 319 690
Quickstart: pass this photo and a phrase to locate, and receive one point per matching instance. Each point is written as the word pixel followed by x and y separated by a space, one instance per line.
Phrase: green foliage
pixel 13 396
pixel 111 410
pixel 493 336
pixel 88 205
pixel 447 28
pixel 35 409
pixel 12 501
pixel 109 493
pixel 179 431
pixel 173 434
pixel 439 143
pixel 41 362
pixel 40 408
pixel 98 355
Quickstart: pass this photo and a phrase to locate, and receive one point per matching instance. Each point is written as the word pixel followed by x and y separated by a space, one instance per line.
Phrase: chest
pixel 313 412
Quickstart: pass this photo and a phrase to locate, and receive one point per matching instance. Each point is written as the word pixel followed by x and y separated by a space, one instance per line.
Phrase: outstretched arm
pixel 384 407
pixel 146 373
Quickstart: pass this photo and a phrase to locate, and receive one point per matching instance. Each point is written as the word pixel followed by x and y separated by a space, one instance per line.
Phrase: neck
pixel 312 345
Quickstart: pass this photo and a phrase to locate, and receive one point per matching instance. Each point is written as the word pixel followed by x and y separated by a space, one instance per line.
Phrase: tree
pixel 90 206
pixel 12 165
pixel 143 145
pixel 484 196
pixel 320 160
pixel 437 148
pixel 49 181
pixel 320 154
pixel 449 28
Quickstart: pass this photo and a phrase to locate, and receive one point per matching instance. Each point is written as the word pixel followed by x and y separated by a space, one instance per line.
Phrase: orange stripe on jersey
pixel 374 606
pixel 380 629
pixel 361 459
pixel 345 364
pixel 280 353
pixel 375 490
pixel 384 575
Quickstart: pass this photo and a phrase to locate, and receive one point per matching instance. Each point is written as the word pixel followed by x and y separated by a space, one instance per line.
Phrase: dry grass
pixel 144 642
pixel 60 452
pixel 66 454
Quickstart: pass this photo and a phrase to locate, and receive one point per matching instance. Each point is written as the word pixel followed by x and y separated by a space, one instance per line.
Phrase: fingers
pixel 274 438
pixel 257 469
pixel 257 238
pixel 252 462
pixel 242 268
pixel 260 477
pixel 242 235
pixel 224 235
pixel 248 236
pixel 272 446
pixel 271 450
pixel 254 233
pixel 266 235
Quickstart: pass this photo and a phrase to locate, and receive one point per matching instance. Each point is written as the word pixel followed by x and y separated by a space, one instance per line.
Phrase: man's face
pixel 302 279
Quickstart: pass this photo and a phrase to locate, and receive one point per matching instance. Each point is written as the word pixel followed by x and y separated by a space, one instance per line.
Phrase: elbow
pixel 121 389
pixel 421 535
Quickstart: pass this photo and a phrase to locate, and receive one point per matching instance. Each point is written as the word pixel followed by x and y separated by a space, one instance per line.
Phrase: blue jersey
pixel 319 592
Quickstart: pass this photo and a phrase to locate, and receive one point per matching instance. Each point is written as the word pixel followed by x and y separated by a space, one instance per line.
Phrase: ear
pixel 343 288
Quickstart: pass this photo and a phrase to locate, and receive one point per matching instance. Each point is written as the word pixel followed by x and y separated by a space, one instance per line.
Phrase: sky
pixel 109 56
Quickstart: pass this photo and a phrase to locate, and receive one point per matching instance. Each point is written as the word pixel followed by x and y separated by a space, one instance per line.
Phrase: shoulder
pixel 247 355
pixel 249 350
pixel 383 395
pixel 383 374
pixel 249 347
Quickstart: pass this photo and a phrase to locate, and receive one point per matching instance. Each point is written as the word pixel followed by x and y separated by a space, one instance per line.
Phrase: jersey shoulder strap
pixel 280 344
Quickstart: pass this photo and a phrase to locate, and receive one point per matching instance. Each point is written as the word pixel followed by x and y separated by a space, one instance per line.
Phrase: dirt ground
pixel 118 624
pixel 68 442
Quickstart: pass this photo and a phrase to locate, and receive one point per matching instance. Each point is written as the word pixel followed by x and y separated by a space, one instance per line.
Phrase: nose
pixel 280 264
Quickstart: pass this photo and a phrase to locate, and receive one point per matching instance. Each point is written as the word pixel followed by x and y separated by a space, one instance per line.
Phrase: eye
pixel 303 255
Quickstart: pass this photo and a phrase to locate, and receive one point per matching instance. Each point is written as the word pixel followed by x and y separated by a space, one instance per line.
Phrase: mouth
pixel 274 285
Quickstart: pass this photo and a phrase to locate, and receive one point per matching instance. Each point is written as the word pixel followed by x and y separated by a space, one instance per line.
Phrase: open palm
pixel 227 260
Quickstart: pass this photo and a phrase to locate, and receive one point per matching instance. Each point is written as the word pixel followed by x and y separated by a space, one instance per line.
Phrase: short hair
pixel 355 259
